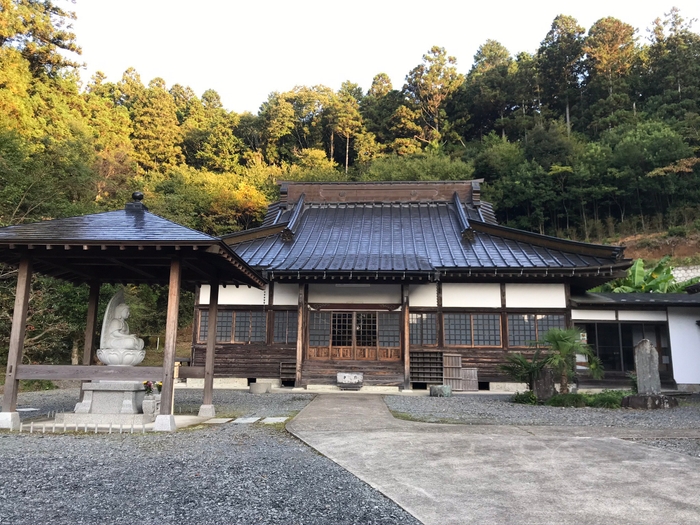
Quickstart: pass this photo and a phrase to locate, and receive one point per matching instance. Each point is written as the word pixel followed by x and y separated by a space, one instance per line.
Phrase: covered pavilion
pixel 125 246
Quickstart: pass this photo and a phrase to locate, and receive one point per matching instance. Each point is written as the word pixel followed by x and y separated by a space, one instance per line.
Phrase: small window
pixel 423 329
pixel 224 323
pixel 285 326
pixel 463 329
pixel 341 329
pixel 249 327
pixel 319 328
pixel 525 329
pixel 366 329
pixel 389 329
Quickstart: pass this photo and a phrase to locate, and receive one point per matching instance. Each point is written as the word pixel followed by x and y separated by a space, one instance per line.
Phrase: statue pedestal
pixel 105 402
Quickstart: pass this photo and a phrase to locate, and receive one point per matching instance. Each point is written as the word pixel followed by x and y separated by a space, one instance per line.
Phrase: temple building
pixel 410 284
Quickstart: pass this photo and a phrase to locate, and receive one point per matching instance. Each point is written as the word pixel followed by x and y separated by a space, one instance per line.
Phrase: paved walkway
pixel 502 475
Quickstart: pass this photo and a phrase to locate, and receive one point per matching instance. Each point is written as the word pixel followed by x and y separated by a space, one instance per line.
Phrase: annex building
pixel 411 284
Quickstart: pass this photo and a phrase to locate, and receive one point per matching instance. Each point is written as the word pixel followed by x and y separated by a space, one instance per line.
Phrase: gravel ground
pixel 237 474
pixel 498 410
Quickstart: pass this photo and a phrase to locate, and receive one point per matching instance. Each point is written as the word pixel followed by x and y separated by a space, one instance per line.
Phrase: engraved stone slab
pixel 646 361
pixel 273 420
pixel 246 420
pixel 350 378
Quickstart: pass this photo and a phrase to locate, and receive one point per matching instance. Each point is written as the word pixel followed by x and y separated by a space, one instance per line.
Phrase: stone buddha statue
pixel 117 345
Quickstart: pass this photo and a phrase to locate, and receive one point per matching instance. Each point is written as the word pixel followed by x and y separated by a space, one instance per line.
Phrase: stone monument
pixel 648 396
pixel 114 402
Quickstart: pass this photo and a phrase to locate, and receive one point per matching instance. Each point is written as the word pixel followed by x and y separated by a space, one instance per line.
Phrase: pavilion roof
pixel 131 245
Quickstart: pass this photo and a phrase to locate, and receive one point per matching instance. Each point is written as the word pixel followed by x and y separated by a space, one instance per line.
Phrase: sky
pixel 247 49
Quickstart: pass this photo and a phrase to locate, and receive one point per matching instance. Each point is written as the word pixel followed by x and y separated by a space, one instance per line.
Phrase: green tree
pixel 559 61
pixel 428 86
pixel 41 31
pixel 156 137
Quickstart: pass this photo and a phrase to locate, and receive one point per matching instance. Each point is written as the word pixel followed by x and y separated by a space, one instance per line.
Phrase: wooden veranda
pixel 130 246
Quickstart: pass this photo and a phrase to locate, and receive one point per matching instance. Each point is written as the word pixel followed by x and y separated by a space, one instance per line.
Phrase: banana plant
pixel 658 279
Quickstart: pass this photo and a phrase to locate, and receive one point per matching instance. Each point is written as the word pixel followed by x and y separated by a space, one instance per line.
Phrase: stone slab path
pixel 503 475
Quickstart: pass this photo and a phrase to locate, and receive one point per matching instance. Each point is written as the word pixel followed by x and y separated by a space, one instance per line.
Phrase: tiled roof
pixel 411 237
pixel 636 299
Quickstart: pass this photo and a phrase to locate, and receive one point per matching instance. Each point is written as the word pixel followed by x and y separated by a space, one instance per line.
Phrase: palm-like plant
pixel 524 370
pixel 562 347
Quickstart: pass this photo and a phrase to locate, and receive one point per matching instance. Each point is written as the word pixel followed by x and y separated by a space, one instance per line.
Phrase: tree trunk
pixel 564 385
pixel 347 151
pixel 332 144
pixel 568 119
pixel 74 354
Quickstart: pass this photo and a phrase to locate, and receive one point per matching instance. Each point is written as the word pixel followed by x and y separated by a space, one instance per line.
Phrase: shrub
pixel 567 400
pixel 677 231
pixel 606 399
pixel 525 398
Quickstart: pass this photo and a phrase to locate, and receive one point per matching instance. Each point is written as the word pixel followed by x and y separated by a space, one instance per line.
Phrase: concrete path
pixel 502 475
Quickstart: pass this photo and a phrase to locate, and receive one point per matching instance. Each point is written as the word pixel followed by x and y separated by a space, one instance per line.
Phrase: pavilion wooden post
pixel 9 418
pixel 93 300
pixel 207 409
pixel 301 333
pixel 165 421
pixel 89 346
pixel 406 338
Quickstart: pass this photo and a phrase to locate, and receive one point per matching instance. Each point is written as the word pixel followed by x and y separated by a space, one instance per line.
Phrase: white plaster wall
pixel 641 315
pixel 535 295
pixel 355 293
pixel 685 344
pixel 424 295
pixel 592 315
pixel 471 295
pixel 243 295
pixel 285 294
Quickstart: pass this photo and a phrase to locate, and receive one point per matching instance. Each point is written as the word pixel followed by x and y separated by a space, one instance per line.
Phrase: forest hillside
pixel 594 136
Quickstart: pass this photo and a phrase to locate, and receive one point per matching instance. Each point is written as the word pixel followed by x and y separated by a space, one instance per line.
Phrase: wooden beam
pixel 93 301
pixel 166 403
pixel 191 372
pixel 130 268
pixel 405 339
pixel 211 343
pixel 19 327
pixel 90 373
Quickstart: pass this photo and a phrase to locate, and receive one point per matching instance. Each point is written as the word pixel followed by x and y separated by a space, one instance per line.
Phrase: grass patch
pixel 36 385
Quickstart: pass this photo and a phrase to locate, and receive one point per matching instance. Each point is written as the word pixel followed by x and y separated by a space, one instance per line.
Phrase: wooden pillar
pixel 405 317
pixel 166 421
pixel 9 417
pixel 207 409
pixel 89 348
pixel 301 325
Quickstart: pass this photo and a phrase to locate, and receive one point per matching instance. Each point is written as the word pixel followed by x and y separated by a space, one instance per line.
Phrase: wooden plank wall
pixel 247 360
